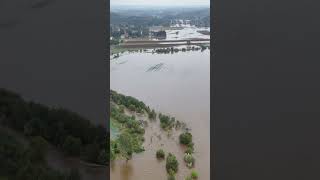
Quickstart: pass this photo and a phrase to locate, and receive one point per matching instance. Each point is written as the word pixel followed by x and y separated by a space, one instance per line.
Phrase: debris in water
pixel 156 67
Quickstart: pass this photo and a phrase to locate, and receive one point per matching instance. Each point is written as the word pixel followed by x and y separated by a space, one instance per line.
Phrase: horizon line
pixel 160 5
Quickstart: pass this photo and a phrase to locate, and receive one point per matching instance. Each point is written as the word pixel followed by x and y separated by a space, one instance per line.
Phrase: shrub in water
pixel 194 175
pixel 172 163
pixel 189 159
pixel 189 150
pixel 185 138
pixel 160 154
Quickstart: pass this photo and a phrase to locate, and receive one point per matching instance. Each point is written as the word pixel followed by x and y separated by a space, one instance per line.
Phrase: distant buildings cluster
pixel 131 31
pixel 127 31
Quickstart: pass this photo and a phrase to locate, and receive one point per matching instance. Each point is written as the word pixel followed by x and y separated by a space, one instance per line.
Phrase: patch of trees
pixel 172 165
pixel 127 122
pixel 152 115
pixel 193 176
pixel 160 154
pixel 27 162
pixel 131 137
pixel 125 145
pixel 175 50
pixel 186 139
pixel 115 41
pixel 166 122
pixel 73 134
pixel 159 34
pixel 129 102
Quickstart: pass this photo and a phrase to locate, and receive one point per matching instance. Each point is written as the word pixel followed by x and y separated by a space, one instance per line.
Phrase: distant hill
pixel 157 17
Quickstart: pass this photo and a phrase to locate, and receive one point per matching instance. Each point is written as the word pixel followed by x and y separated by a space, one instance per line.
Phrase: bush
pixel 194 175
pixel 189 150
pixel 172 163
pixel 152 114
pixel 166 122
pixel 189 159
pixel 185 138
pixel 191 146
pixel 160 154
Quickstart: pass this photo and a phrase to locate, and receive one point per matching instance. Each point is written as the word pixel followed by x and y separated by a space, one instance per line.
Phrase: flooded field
pixel 176 84
pixel 188 32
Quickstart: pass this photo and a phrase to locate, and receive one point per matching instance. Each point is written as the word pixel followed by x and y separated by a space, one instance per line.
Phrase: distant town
pixel 145 26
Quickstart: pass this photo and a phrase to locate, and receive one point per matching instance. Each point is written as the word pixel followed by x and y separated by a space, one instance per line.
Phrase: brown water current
pixel 179 86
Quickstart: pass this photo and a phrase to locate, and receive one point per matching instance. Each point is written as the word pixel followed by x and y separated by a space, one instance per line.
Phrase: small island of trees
pixel 160 154
pixel 172 165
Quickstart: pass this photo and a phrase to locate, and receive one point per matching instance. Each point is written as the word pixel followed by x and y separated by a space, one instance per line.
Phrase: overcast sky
pixel 160 2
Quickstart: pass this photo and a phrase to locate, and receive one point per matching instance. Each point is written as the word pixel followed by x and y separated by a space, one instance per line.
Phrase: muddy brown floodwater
pixel 180 88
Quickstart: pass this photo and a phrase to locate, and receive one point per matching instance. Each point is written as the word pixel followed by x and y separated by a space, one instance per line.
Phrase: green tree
pixel 194 175
pixel 125 145
pixel 160 154
pixel 172 163
pixel 185 138
pixel 189 150
pixel 189 159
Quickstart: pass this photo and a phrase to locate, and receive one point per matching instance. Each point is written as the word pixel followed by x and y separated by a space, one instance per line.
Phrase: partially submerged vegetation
pixel 166 122
pixel 172 164
pixel 200 47
pixel 129 102
pixel 193 176
pixel 117 50
pixel 160 154
pixel 186 139
pixel 131 137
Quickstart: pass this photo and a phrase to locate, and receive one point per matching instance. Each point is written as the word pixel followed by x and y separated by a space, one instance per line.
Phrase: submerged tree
pixel 172 164
pixel 125 145
pixel 185 138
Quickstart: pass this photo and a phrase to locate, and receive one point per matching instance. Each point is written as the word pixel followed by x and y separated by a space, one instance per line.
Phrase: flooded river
pixel 177 84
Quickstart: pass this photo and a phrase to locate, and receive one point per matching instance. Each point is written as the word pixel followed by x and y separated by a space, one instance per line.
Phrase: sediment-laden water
pixel 179 87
